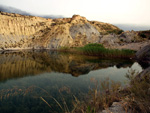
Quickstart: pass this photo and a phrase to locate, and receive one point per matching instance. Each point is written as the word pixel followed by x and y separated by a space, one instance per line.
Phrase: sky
pixel 110 11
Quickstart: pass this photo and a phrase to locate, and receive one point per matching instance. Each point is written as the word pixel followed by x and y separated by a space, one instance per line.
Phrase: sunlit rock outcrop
pixel 29 32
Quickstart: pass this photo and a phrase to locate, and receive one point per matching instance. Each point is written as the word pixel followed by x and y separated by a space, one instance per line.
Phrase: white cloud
pixel 112 11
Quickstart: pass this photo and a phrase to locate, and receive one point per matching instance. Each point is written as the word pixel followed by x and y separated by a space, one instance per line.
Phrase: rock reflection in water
pixel 27 76
pixel 25 63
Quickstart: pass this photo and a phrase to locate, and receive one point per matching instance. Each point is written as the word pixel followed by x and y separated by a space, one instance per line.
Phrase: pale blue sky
pixel 111 11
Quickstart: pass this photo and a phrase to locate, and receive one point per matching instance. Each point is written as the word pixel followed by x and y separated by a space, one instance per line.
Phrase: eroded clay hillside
pixel 29 32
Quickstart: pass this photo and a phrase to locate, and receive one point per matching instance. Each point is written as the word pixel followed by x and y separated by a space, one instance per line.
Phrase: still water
pixel 27 77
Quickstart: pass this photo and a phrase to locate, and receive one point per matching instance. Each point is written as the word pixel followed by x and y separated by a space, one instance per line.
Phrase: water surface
pixel 26 77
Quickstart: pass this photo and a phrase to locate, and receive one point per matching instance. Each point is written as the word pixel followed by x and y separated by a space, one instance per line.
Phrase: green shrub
pixel 121 40
pixel 142 35
pixel 115 31
pixel 100 50
pixel 120 31
pixel 64 48
pixel 94 45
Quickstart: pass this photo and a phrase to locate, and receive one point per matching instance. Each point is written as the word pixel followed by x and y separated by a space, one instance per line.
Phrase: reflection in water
pixel 25 63
pixel 21 90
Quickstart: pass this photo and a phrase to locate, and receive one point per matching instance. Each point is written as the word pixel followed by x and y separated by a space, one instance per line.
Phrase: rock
pixel 145 74
pixel 117 107
pixel 136 46
pixel 143 56
pixel 110 40
pixel 129 36
pixel 78 18
pixel 29 32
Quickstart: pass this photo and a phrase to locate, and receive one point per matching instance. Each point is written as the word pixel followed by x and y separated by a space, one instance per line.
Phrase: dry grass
pixel 135 98
pixel 138 97
pixel 101 96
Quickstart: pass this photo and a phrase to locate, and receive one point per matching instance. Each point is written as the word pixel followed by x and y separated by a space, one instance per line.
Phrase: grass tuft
pixel 138 98
pixel 134 98
pixel 100 50
pixel 101 96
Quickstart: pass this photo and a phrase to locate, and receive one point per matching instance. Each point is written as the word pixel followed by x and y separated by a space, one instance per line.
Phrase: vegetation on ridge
pixel 144 34
pixel 105 28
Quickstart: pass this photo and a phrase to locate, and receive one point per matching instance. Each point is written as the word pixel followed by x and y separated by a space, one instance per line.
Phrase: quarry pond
pixel 36 81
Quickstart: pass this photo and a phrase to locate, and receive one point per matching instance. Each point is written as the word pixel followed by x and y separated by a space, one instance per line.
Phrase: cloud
pixel 125 27
pixel 9 9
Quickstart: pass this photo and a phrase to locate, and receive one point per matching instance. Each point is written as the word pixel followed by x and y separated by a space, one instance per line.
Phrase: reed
pixel 135 98
pixel 138 97
pixel 101 96
pixel 100 50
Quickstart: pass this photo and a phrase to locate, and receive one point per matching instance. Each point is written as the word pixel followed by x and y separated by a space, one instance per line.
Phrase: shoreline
pixel 70 50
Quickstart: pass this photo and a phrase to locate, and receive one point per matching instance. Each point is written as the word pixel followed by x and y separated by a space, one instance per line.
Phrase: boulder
pixel 109 40
pixel 143 56
pixel 117 107
pixel 128 36
pixel 144 75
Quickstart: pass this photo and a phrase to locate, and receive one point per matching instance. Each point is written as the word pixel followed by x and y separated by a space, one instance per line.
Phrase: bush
pixel 120 31
pixel 64 48
pixel 100 50
pixel 94 45
pixel 121 40
pixel 115 31
pixel 142 35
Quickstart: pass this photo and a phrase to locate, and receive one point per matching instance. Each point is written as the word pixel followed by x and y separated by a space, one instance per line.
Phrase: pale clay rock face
pixel 29 32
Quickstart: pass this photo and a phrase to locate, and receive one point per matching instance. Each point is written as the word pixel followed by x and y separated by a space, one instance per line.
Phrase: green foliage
pixel 121 40
pixel 142 35
pixel 120 31
pixel 99 50
pixel 65 48
pixel 115 31
pixel 94 45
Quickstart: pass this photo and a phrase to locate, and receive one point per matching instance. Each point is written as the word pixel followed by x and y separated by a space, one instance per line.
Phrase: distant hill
pixel 129 27
pixel 13 10
pixel 9 9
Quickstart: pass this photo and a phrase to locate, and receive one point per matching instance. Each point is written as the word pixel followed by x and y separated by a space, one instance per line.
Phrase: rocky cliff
pixel 29 32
